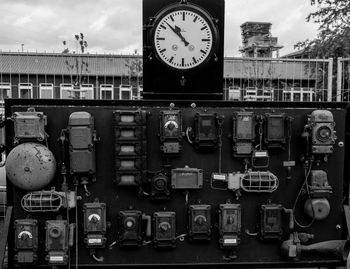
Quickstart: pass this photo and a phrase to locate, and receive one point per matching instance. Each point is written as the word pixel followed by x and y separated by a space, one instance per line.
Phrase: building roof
pixel 118 66
pixel 65 64
pixel 300 54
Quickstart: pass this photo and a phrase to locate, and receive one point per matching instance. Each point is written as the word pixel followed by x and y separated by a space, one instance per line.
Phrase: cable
pixel 98 259
pixel 181 237
pixel 112 244
pixel 307 173
pixel 76 231
pixel 67 211
pixel 220 143
pixel 188 130
pixel 87 193
pixel 145 193
pixel 250 233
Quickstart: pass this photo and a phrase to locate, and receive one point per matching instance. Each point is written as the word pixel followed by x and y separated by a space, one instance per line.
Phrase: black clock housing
pixel 165 82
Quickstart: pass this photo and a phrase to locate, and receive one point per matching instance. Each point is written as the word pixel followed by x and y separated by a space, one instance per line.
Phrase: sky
pixel 115 26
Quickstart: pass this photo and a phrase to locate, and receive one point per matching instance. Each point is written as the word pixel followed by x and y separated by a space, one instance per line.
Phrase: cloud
pixel 115 26
pixel 287 18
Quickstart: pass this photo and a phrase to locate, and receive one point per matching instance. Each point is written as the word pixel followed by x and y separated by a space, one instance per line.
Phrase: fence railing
pixel 343 79
pixel 278 79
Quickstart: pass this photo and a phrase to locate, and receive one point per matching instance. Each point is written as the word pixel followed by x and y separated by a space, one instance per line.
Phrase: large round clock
pixel 184 36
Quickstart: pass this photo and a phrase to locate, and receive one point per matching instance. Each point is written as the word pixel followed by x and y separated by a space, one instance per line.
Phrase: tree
pixel 79 67
pixel 135 66
pixel 333 17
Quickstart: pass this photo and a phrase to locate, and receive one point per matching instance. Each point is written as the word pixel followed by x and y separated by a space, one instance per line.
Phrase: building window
pixel 125 92
pixel 138 94
pixel 87 91
pixel 234 93
pixel 69 91
pixel 106 92
pixel 46 91
pixel 5 90
pixel 66 90
pixel 25 90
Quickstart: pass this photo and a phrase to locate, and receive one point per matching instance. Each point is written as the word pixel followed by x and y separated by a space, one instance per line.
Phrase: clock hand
pixel 177 31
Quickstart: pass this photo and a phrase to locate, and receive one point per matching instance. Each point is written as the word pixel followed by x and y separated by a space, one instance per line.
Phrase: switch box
pixel 170 132
pixel 57 242
pixel 229 225
pixel 130 117
pixel 95 224
pixel 186 178
pixel 26 241
pixel 128 178
pixel 160 187
pixel 275 135
pixel 130 133
pixel 271 221
pixel 82 137
pixel 130 146
pixel 130 228
pixel 206 130
pixel 29 125
pixel 243 134
pixel 164 229
pixel 200 222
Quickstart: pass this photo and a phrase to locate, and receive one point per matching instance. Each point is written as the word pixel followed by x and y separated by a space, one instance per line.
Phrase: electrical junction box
pixel 271 221
pixel 164 229
pixel 130 228
pixel 206 130
pixel 275 136
pixel 186 178
pixel 130 117
pixel 95 224
pixel 199 222
pixel 170 131
pixel 243 133
pixel 26 241
pixel 82 138
pixel 229 225
pixel 57 242
pixel 29 125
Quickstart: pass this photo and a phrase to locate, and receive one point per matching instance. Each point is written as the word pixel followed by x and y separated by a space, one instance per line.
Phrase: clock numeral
pixel 160 38
pixel 205 39
pixel 194 60
pixel 163 26
pixel 183 62
pixel 183 16
pixel 171 59
pixel 172 18
pixel 162 50
pixel 203 28
pixel 195 19
pixel 202 51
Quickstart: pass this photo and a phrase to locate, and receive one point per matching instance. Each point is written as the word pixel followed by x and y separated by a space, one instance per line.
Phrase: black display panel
pixel 185 222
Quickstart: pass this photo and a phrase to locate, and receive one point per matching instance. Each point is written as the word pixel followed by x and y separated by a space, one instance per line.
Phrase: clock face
pixel 183 39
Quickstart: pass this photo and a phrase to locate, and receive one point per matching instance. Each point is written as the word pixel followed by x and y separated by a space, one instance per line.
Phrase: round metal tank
pixel 30 166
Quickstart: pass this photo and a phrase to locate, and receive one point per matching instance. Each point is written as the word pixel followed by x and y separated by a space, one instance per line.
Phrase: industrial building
pixel 104 76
